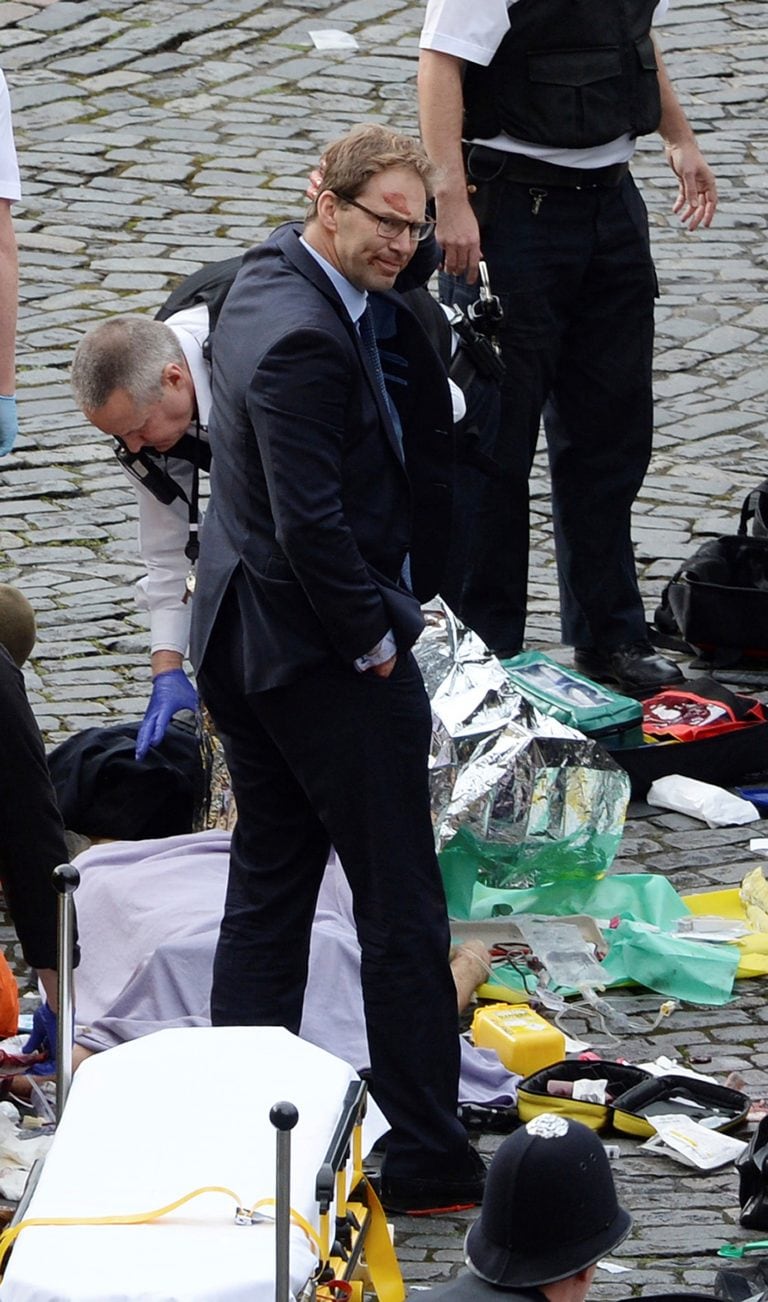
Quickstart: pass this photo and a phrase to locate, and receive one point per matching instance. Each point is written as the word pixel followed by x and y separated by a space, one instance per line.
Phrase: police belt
pixel 485 164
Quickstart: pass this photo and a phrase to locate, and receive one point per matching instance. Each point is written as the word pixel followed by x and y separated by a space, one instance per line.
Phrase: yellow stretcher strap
pixel 296 1219
pixel 382 1264
pixel 383 1267
pixel 9 1235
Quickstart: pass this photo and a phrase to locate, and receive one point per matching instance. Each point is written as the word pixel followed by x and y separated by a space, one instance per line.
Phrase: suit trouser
pixel 340 758
pixel 31 830
pixel 577 284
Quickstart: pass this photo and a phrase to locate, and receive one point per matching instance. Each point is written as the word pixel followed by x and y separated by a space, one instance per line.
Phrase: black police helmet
pixel 550 1206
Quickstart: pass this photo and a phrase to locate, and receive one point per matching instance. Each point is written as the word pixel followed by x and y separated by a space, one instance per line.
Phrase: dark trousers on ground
pixel 576 281
pixel 340 758
pixel 31 831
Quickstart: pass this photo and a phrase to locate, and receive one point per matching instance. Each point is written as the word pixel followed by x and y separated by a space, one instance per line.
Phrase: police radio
pixel 148 472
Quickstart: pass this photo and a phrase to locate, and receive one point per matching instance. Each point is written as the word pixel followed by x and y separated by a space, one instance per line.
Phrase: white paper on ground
pixel 573 1045
pixel 328 38
pixel 664 1066
pixel 691 1143
pixel 713 805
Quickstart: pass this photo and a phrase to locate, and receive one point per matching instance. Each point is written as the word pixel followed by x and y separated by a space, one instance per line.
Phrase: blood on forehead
pixel 396 200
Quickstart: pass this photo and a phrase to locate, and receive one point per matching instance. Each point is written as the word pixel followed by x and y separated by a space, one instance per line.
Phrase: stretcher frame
pixel 356 1254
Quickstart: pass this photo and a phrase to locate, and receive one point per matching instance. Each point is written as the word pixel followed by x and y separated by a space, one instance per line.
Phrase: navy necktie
pixel 368 340
pixel 368 337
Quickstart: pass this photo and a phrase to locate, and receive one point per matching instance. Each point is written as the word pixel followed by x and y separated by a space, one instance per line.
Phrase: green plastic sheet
pixel 642 951
pixel 467 861
pixel 694 971
pixel 643 896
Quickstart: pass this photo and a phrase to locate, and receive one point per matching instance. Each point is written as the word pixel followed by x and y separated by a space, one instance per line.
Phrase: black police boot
pixel 635 668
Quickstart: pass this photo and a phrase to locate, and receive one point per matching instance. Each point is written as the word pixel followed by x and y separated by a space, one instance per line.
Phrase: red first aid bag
pixel 704 708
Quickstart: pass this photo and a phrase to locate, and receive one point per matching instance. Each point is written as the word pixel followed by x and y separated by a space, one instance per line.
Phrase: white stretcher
pixel 154 1119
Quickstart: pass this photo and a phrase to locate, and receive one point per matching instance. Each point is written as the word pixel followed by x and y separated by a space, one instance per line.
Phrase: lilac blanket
pixel 148 914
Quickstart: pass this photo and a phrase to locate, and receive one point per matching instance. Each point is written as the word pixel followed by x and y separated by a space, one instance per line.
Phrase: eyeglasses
pixel 389 228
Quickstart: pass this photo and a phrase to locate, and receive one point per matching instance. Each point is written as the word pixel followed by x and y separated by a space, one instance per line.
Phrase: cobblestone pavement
pixel 157 135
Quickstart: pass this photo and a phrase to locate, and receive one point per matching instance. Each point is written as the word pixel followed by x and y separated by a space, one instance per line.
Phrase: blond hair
pixel 349 163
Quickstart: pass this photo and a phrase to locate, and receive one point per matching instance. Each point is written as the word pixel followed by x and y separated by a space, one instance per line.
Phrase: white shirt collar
pixel 354 299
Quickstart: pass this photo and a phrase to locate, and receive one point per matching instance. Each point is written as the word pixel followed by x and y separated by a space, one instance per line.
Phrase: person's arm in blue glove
pixel 9 424
pixel 9 297
pixel 43 1039
pixel 171 691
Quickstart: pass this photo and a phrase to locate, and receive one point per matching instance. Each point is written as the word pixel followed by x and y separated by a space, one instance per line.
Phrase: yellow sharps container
pixel 524 1041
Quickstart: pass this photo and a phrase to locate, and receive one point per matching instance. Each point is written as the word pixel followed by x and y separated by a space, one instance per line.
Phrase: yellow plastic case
pixel 524 1041
pixel 627 1112
pixel 532 1096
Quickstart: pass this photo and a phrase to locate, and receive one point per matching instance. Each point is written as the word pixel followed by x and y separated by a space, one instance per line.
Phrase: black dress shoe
pixel 635 667
pixel 432 1195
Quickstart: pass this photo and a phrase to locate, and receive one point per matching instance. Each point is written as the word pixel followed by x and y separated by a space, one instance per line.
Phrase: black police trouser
pixel 573 270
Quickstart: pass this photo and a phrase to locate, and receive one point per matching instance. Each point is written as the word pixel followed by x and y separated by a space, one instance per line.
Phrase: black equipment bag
pixel 725 759
pixel 103 790
pixel 721 756
pixel 718 600
pixel 739 1281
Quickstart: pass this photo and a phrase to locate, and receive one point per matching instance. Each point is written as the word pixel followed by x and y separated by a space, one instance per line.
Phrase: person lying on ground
pixel 151 910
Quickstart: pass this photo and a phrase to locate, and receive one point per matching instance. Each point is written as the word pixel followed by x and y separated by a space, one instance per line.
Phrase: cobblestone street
pixel 157 135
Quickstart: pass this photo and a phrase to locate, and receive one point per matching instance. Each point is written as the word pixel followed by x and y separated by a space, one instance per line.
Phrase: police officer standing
pixel 531 112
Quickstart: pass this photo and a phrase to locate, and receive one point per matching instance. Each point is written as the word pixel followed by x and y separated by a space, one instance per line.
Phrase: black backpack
pixel 717 602
pixel 209 284
pixel 103 790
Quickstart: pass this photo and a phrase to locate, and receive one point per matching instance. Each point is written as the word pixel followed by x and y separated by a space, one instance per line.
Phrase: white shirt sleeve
pixel 472 32
pixel 164 529
pixel 163 534
pixel 378 655
pixel 10 187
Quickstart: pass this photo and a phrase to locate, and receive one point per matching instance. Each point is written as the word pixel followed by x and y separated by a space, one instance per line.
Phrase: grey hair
pixel 125 352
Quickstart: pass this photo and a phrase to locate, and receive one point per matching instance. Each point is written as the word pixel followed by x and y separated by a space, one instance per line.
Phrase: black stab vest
pixel 568 73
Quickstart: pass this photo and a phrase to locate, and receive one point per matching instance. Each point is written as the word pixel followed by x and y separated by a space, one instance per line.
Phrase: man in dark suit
pixel 330 504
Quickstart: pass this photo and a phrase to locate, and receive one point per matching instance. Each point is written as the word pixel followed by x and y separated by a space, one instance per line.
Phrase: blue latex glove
pixel 43 1037
pixel 9 424
pixel 171 691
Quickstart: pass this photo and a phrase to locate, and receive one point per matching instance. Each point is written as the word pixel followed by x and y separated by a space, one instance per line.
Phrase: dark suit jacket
pixel 312 507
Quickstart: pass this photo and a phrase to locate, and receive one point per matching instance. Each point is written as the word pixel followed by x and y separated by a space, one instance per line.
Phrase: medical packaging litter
pixel 692 1144
pixel 713 805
